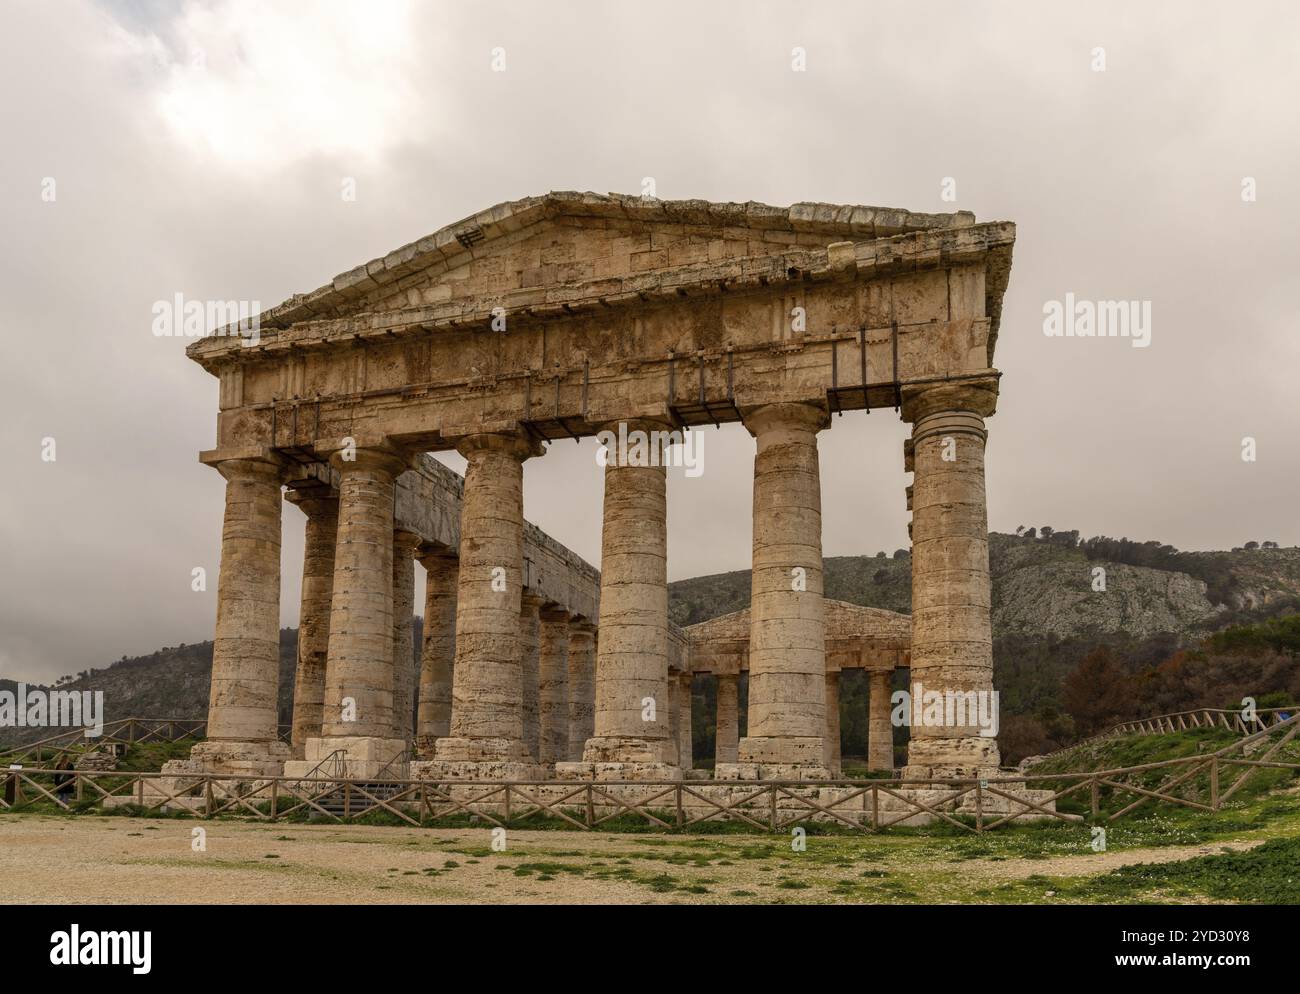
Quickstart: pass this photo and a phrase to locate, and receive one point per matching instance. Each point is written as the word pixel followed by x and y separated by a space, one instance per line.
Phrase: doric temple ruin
pixel 559 317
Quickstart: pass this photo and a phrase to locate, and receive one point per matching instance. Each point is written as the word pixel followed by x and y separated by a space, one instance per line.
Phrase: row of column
pixel 506 712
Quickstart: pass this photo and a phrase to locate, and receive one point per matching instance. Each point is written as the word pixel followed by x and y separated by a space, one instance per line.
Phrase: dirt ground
pixel 98 860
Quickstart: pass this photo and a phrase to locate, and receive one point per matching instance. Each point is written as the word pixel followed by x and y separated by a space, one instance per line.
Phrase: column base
pixel 244 759
pixel 441 770
pixel 455 749
pixel 944 758
pixel 364 757
pixel 617 771
pixel 629 750
pixel 771 771
pixel 803 750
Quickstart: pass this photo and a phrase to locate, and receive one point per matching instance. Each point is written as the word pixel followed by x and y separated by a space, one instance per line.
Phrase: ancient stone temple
pixel 560 317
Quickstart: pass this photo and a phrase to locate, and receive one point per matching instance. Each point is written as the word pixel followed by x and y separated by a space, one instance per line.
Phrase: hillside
pixel 1046 619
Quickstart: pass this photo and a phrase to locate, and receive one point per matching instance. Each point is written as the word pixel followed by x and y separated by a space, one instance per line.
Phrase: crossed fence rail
pixel 1203 782
pixel 124 731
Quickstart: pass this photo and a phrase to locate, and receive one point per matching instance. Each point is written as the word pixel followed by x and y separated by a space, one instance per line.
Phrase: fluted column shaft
pixel 880 731
pixel 529 669
pixel 582 687
pixel 632 703
pixel 727 735
pixel 553 688
pixel 243 705
pixel 437 650
pixel 833 722
pixel 952 643
pixel 360 665
pixel 322 513
pixel 787 642
pixel 404 677
pixel 685 728
pixel 486 714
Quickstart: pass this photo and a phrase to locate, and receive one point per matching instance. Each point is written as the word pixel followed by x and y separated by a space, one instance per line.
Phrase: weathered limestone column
pixel 358 711
pixel 582 687
pixel 728 719
pixel 880 731
pixel 553 688
pixel 787 643
pixel 632 736
pixel 437 650
pixel 833 722
pixel 952 643
pixel 487 731
pixel 685 729
pixel 529 668
pixel 243 707
pixel 360 664
pixel 322 511
pixel 404 678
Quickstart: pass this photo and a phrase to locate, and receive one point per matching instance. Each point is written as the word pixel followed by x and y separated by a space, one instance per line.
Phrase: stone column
pixel 632 738
pixel 553 688
pixel 787 642
pixel 833 723
pixel 728 720
pixel 685 729
pixel 880 731
pixel 437 650
pixel 529 669
pixel 358 714
pixel 582 687
pixel 952 644
pixel 487 733
pixel 322 511
pixel 243 705
pixel 404 544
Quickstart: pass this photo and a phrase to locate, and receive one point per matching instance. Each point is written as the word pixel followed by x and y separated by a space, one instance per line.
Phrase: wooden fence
pixel 1203 782
pixel 124 732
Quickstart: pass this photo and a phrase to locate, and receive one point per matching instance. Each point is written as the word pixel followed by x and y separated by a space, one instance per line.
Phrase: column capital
pixel 402 537
pixel 976 396
pixel 266 468
pixel 553 613
pixel 519 446
pixel 530 602
pixel 434 557
pixel 785 417
pixel 369 458
pixel 314 502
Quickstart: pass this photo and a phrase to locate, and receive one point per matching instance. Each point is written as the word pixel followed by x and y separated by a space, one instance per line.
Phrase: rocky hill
pixel 1046 616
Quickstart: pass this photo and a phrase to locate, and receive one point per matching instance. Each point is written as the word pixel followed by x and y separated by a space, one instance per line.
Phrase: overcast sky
pixel 200 149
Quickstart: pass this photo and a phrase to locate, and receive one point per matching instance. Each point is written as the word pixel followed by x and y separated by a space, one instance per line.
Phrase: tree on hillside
pixel 1097 692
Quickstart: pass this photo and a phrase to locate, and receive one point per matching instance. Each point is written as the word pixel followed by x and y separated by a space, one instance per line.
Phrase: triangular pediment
pixel 510 253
